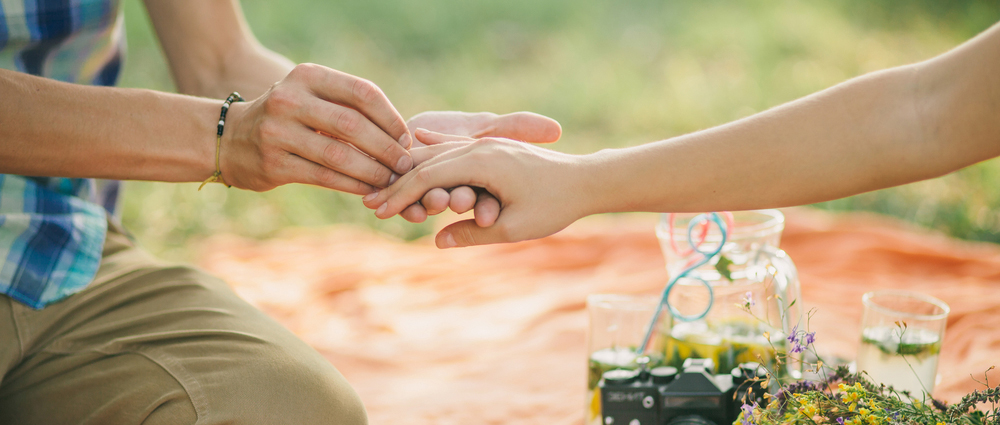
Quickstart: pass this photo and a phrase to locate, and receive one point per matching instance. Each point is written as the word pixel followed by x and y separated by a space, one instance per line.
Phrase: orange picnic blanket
pixel 496 334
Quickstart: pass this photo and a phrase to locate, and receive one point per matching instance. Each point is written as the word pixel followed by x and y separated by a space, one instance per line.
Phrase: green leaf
pixel 723 267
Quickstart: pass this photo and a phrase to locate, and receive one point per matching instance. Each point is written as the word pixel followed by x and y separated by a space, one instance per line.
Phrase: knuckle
pixel 335 153
pixel 505 143
pixel 381 176
pixel 398 125
pixel 479 156
pixel 465 236
pixel 486 144
pixel 325 176
pixel 304 71
pixel 423 175
pixel 349 122
pixel 392 152
pixel 280 100
pixel 482 143
pixel 366 92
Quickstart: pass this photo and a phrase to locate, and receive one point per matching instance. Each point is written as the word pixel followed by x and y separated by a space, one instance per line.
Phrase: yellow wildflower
pixel 809 410
pixel 852 407
pixel 864 412
pixel 850 397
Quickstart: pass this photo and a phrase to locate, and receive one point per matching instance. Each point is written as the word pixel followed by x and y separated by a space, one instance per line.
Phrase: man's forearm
pixel 50 128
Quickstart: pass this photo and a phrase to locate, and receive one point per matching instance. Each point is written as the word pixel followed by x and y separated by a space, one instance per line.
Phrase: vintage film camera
pixel 692 396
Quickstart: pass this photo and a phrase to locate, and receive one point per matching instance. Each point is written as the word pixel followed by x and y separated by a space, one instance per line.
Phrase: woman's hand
pixel 436 127
pixel 524 126
pixel 316 126
pixel 540 191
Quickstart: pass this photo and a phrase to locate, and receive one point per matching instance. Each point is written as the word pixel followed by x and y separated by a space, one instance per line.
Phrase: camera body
pixel 693 395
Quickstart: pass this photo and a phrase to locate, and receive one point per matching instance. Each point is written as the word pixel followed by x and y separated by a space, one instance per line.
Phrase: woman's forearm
pixel 852 138
pixel 50 128
pixel 880 130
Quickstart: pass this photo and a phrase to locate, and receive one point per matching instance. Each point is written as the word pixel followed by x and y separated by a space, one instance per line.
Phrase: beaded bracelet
pixel 217 175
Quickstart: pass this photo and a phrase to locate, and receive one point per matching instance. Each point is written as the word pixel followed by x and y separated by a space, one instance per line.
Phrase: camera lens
pixel 663 374
pixel 690 420
pixel 620 376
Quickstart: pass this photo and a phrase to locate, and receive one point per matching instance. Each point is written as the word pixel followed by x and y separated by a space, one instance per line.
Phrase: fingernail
pixel 381 208
pixel 404 164
pixel 404 140
pixel 422 130
pixel 449 241
pixel 372 195
pixel 393 178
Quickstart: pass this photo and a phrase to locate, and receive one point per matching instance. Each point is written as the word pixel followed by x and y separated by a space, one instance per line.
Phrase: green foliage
pixel 614 73
pixel 846 398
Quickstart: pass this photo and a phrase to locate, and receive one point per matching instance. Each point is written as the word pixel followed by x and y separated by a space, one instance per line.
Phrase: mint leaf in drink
pixel 723 267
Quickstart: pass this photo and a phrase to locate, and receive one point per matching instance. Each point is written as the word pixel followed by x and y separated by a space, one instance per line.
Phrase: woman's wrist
pixel 603 187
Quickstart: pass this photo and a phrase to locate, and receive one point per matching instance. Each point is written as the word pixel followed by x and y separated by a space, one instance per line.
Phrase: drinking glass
pixel 617 325
pixel 901 334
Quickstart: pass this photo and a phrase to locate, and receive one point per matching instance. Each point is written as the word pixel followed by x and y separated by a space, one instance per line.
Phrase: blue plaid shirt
pixel 52 229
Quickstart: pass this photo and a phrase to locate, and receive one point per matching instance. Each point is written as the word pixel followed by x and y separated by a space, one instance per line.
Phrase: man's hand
pixel 452 126
pixel 316 126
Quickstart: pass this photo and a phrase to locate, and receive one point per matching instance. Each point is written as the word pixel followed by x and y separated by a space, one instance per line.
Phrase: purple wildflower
pixel 840 421
pixel 748 299
pixel 747 413
pixel 785 393
pixel 793 336
pixel 800 342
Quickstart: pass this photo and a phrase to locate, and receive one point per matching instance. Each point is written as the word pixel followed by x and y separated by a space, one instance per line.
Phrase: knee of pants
pixel 284 385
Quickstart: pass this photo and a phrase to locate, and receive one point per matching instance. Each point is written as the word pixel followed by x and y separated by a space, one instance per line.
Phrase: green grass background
pixel 614 72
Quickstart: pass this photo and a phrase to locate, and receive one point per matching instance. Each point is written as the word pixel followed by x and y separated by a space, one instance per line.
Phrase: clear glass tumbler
pixel 617 325
pixel 901 334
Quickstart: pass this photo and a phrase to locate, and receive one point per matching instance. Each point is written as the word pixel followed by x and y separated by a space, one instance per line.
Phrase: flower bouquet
pixel 841 397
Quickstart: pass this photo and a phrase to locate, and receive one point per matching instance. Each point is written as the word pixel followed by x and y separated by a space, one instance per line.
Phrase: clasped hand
pixel 540 191
pixel 327 128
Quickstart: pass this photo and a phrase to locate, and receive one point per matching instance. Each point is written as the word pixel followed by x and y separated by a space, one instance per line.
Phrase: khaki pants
pixel 149 343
